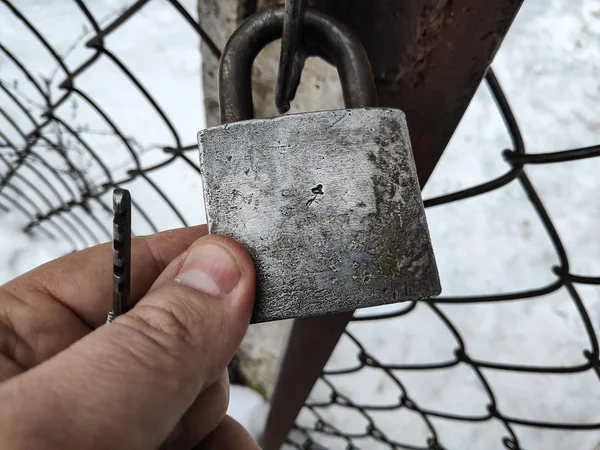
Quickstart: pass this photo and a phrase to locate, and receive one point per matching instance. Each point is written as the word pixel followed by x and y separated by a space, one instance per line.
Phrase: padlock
pixel 327 203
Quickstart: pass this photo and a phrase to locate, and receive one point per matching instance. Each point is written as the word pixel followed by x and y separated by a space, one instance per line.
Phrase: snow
pixel 549 66
pixel 249 408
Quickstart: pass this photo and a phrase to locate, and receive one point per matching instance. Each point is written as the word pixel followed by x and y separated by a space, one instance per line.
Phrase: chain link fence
pixel 516 158
pixel 60 181
pixel 52 172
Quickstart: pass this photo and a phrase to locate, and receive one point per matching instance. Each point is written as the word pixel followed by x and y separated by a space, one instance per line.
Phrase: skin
pixel 155 377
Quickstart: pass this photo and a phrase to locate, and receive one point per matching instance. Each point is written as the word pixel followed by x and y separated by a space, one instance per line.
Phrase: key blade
pixel 121 251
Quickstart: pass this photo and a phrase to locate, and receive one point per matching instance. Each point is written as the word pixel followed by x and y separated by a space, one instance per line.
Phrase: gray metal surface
pixel 358 240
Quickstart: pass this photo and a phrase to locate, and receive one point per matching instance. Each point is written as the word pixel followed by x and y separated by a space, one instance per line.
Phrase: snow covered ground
pixel 549 66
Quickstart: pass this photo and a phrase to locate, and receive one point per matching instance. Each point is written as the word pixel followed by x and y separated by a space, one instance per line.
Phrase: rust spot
pixel 435 16
pixel 430 32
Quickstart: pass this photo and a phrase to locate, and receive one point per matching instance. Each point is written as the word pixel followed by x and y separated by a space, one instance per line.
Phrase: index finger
pixel 82 281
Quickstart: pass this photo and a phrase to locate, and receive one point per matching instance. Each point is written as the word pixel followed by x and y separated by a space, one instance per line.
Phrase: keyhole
pixel 318 190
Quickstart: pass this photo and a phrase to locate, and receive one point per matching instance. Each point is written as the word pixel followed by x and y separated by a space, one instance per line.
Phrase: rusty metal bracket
pixel 428 58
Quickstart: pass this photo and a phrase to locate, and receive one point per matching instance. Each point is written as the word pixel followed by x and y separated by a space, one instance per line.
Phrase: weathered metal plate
pixel 328 205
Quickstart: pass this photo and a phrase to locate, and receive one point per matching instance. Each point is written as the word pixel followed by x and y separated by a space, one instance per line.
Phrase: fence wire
pixel 42 178
pixel 516 158
pixel 46 154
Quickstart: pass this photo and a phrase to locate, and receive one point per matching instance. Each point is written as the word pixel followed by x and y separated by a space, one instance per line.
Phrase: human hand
pixel 155 377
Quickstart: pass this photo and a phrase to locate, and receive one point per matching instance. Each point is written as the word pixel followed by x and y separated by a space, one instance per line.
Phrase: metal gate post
pixel 310 345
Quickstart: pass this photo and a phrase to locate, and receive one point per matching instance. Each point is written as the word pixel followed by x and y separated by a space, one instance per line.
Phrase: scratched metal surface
pixel 328 205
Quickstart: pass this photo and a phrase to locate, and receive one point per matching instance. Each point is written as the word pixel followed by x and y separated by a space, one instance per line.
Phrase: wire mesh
pixel 517 158
pixel 42 177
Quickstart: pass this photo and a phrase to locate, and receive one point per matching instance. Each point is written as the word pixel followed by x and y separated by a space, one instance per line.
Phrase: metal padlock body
pixel 327 203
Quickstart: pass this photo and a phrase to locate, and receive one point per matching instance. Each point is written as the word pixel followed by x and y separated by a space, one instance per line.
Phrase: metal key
pixel 121 253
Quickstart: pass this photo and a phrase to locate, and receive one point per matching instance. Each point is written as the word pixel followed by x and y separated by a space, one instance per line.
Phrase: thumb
pixel 127 384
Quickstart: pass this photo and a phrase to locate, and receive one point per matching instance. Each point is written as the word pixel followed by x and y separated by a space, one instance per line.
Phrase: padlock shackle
pixel 328 35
